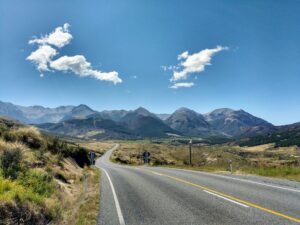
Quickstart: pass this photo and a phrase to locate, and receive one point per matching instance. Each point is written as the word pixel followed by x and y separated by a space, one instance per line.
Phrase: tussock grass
pixel 40 175
pixel 9 145
pixel 30 136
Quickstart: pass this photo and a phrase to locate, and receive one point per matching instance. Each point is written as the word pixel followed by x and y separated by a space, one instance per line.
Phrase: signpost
pixel 92 156
pixel 146 156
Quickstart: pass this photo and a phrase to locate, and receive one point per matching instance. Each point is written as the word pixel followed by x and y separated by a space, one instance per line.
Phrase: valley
pixel 58 184
pixel 264 160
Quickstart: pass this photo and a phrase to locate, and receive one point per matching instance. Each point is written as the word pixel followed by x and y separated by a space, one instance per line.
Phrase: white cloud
pixel 80 66
pixel 166 68
pixel 42 56
pixel 183 55
pixel 183 84
pixel 194 63
pixel 58 38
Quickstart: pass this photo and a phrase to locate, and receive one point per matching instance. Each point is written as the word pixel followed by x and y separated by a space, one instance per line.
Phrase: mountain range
pixel 83 122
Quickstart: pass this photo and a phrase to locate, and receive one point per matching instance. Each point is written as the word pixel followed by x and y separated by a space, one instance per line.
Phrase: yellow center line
pixel 228 196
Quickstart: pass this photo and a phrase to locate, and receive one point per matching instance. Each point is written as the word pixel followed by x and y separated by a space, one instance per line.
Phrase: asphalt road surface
pixel 134 195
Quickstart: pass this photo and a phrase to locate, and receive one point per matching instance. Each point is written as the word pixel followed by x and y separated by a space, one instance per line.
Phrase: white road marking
pixel 159 174
pixel 119 211
pixel 243 180
pixel 240 204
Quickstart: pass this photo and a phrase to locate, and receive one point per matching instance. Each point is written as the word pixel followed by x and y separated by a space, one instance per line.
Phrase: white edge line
pixel 159 174
pixel 119 211
pixel 238 203
pixel 239 179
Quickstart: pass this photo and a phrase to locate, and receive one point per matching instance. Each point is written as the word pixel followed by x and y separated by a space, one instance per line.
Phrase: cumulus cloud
pixel 183 84
pixel 194 63
pixel 44 60
pixel 58 38
pixel 80 66
pixel 42 56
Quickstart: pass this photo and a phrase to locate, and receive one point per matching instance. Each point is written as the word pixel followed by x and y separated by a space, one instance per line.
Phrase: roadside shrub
pixel 64 149
pixel 10 161
pixel 38 181
pixel 53 145
pixel 27 135
pixel 13 191
pixel 26 204
pixel 9 136
pixel 25 214
pixel 40 155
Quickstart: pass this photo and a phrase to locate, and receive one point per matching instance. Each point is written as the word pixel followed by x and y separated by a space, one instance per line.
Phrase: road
pixel 145 195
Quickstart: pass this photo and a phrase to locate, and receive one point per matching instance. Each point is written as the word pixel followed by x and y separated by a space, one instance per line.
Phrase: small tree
pixel 10 162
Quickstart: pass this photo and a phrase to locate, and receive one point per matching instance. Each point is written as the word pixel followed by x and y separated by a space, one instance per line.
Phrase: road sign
pixel 92 156
pixel 146 156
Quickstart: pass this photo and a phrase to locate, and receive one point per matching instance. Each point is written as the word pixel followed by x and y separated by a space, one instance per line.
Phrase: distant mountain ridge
pixel 189 122
pixel 237 123
pixel 82 121
pixel 34 114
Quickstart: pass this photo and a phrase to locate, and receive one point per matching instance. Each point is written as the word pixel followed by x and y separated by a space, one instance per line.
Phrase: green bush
pixel 10 162
pixel 38 181
pixel 64 150
pixel 13 191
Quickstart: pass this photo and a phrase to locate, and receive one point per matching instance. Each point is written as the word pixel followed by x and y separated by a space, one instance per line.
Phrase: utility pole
pixel 190 147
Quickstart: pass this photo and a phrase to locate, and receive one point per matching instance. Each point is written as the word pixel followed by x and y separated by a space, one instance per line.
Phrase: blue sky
pixel 258 70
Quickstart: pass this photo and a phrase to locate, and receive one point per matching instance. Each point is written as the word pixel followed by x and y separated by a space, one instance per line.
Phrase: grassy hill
pixel 40 175
pixel 288 135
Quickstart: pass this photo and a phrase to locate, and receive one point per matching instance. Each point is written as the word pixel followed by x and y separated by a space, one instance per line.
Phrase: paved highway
pixel 158 196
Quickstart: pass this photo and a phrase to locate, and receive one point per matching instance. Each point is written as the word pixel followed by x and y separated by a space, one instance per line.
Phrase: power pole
pixel 190 145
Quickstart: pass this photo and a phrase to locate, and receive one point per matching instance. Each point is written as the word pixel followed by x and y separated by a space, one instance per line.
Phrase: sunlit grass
pixel 264 160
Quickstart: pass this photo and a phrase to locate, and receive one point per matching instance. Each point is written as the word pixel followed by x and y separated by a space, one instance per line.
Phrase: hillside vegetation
pixel 40 176
pixel 281 139
pixel 265 160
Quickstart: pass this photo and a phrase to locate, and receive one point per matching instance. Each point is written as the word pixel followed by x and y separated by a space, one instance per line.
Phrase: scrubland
pixel 42 179
pixel 265 160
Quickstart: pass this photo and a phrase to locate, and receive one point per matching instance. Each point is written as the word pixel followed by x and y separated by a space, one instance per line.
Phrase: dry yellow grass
pixel 283 162
pixel 258 148
pixel 91 133
pixel 82 208
pixel 28 131
pixel 28 156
